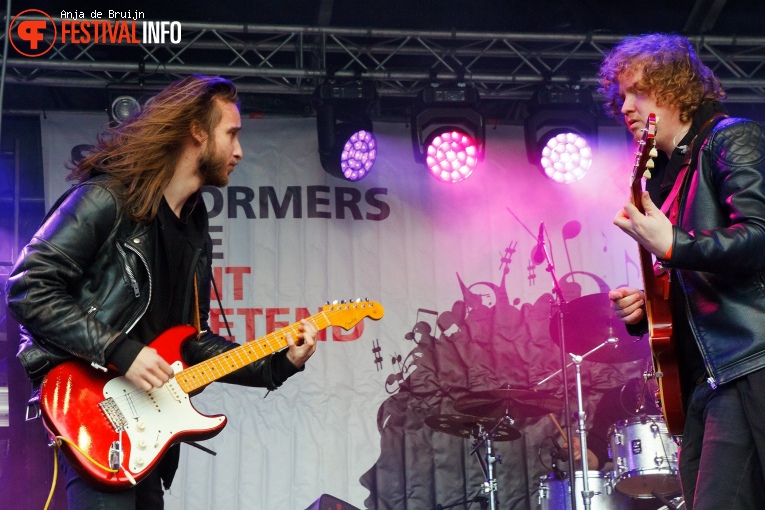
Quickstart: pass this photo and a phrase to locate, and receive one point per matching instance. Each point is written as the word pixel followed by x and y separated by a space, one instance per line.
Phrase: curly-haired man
pixel 715 168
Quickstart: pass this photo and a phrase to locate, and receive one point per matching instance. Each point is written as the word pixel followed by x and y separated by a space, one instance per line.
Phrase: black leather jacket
pixel 718 252
pixel 85 278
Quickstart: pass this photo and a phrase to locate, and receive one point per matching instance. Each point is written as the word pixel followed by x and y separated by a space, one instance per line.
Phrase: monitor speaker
pixel 327 502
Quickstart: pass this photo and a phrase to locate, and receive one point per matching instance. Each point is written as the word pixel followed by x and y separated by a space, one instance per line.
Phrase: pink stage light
pixel 566 157
pixel 358 155
pixel 452 156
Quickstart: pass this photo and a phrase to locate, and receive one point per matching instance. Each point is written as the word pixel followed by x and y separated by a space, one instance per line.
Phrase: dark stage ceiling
pixel 278 51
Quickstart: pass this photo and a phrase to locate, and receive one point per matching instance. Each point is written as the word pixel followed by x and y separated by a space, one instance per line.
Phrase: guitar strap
pixel 197 320
pixel 671 205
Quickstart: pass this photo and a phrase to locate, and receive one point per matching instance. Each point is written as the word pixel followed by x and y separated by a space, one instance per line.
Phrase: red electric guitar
pixel 657 299
pixel 121 432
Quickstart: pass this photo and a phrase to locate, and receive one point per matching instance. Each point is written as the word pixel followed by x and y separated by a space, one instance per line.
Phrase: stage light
pixel 561 132
pixel 448 134
pixel 124 102
pixel 123 107
pixel 358 154
pixel 451 155
pixel 566 157
pixel 347 145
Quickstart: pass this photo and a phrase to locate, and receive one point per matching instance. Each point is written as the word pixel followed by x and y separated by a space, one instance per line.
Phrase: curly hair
pixel 140 154
pixel 671 70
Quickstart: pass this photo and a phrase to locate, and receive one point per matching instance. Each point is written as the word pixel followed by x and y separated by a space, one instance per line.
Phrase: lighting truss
pixel 273 59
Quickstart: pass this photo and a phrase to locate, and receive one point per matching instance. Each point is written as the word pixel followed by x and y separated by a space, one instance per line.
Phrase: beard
pixel 213 167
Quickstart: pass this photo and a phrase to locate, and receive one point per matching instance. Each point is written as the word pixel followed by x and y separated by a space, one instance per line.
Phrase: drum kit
pixel 644 456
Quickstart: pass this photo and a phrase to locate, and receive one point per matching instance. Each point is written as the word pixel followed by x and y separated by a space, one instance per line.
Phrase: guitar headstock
pixel 646 151
pixel 347 313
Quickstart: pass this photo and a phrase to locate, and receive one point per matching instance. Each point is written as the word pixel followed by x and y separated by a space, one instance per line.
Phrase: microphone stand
pixel 559 303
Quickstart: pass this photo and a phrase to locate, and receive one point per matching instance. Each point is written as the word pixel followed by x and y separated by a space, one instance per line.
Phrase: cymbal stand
pixel 487 464
pixel 608 341
pixel 559 303
pixel 586 492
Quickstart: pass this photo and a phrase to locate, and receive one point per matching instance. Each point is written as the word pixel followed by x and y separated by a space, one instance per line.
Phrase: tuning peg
pixel 326 303
pixel 649 164
pixel 334 302
pixel 654 153
pixel 647 174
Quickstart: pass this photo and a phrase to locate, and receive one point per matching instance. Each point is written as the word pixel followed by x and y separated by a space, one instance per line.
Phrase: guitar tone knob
pixel 139 462
pixel 141 426
pixel 141 444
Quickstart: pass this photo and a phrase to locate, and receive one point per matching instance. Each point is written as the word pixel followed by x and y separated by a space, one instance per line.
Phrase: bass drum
pixel 645 458
pixel 555 493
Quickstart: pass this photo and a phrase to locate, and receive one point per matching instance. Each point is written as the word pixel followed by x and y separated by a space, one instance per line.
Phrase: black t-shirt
pixel 178 242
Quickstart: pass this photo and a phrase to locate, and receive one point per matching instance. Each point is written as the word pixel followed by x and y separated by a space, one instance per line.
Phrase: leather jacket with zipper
pixel 85 279
pixel 718 252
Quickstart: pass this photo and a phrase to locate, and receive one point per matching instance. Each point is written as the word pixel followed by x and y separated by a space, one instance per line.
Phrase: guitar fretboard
pixel 344 315
pixel 223 364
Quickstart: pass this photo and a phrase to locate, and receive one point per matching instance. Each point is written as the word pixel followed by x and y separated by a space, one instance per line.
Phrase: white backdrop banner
pixel 440 258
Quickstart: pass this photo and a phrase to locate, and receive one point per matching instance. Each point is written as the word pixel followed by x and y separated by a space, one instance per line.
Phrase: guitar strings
pixel 140 400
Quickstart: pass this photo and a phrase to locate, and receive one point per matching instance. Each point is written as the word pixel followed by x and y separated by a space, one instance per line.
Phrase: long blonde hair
pixel 140 155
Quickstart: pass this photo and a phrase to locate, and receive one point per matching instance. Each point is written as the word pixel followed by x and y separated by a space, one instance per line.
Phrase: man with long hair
pixel 712 182
pixel 126 254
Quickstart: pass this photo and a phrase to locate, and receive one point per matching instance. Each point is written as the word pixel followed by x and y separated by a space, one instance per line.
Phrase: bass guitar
pixel 657 299
pixel 114 433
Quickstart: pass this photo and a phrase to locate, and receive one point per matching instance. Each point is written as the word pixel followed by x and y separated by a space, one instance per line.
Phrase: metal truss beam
pixel 270 59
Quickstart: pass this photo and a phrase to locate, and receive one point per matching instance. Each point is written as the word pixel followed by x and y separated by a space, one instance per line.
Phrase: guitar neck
pixel 211 370
pixel 643 164
pixel 646 258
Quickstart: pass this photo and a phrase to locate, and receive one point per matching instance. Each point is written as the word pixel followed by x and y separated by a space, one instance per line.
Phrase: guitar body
pixel 123 431
pixel 72 397
pixel 658 302
pixel 666 370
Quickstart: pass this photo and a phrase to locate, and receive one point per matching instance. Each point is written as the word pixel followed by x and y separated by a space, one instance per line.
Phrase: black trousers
pixel 723 449
pixel 147 495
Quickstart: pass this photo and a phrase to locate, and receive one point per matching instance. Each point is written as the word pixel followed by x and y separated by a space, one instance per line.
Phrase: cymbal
pixel 588 322
pixel 469 426
pixel 516 403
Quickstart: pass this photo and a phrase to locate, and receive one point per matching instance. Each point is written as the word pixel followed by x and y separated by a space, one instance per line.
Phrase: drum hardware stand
pixel 648 373
pixel 487 465
pixel 651 373
pixel 668 503
pixel 586 492
pixel 608 341
pixel 559 303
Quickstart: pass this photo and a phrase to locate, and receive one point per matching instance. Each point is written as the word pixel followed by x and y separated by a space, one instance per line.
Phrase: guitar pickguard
pixel 153 418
